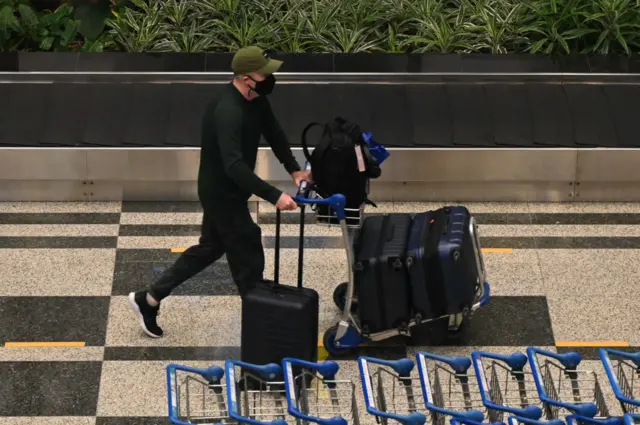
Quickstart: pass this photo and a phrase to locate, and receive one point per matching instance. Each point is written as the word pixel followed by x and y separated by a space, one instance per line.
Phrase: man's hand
pixel 300 176
pixel 286 203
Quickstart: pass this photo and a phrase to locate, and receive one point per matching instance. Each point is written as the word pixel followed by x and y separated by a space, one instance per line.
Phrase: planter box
pixel 319 62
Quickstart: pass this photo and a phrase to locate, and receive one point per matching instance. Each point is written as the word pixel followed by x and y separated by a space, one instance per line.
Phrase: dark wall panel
pixel 472 124
pixel 510 114
pixel 592 122
pixel 551 116
pixel 429 116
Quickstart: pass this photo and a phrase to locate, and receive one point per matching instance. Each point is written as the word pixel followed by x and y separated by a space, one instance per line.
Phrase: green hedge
pixel 297 26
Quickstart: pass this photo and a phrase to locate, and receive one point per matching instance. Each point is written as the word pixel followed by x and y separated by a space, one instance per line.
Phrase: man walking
pixel 231 131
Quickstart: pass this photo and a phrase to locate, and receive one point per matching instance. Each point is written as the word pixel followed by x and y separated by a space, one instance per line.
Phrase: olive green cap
pixel 254 59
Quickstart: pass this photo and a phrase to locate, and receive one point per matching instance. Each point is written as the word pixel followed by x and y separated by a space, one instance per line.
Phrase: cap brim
pixel 271 67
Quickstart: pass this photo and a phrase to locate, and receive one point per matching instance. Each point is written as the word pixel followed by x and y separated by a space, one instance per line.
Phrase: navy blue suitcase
pixel 444 262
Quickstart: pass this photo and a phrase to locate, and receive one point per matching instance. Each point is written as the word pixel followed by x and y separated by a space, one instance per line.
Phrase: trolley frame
pixel 340 392
pixel 433 392
pixel 565 364
pixel 513 365
pixel 623 386
pixel 400 372
pixel 347 333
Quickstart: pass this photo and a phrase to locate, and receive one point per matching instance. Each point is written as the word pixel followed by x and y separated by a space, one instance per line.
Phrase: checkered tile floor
pixel 73 354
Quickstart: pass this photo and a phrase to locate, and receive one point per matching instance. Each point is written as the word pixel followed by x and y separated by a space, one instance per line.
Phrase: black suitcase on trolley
pixel 444 262
pixel 280 320
pixel 380 273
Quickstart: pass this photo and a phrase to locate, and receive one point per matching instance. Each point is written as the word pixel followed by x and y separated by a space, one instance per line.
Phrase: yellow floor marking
pixel 45 344
pixel 592 344
pixel 178 249
pixel 497 250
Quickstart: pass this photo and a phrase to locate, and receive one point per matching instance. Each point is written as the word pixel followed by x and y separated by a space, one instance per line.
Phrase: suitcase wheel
pixel 328 340
pixel 340 297
pixel 455 254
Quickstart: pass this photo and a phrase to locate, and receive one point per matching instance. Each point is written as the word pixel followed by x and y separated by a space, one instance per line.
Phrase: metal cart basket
pixel 391 392
pixel 315 394
pixel 563 388
pixel 507 385
pixel 448 387
pixel 623 371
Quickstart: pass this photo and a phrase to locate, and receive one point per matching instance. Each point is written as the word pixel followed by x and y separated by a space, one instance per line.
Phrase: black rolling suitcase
pixel 380 273
pixel 280 320
pixel 444 262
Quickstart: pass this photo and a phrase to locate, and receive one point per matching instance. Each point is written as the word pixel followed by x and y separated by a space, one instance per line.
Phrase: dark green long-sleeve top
pixel 231 131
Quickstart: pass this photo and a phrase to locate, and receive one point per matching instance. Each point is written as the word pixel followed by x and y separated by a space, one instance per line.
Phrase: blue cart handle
pixel 336 202
pixel 634 357
pixel 459 364
pixel 465 421
pixel 327 369
pixel 269 371
pixel 516 361
pixel 569 360
pixel 579 419
pixel 631 419
pixel 402 367
pixel 517 420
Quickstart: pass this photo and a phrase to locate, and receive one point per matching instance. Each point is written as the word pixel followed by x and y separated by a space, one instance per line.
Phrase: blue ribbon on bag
pixel 378 151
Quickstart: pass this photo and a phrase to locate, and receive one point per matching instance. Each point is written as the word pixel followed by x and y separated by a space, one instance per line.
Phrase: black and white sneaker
pixel 146 314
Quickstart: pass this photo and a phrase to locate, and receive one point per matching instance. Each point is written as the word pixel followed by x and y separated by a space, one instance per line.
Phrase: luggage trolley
pixel 197 396
pixel 347 333
pixel 631 419
pixel 256 393
pixel 623 371
pixel 397 395
pixel 507 385
pixel 569 420
pixel 563 388
pixel 448 388
pixel 316 395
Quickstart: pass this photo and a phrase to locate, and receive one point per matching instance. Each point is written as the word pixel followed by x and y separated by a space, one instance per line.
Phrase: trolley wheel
pixel 329 342
pixel 340 297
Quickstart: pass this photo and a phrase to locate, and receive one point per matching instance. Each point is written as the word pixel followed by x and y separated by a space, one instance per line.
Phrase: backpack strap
pixel 305 147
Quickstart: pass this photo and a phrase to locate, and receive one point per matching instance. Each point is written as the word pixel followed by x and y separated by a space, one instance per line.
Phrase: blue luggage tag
pixel 378 151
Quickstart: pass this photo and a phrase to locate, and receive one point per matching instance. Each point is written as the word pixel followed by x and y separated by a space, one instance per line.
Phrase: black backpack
pixel 341 162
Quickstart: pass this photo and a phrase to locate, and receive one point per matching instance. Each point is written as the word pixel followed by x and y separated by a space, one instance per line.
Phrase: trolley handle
pixel 517 420
pixel 578 419
pixel 463 421
pixel 459 364
pixel 328 369
pixel 212 374
pixel 569 361
pixel 516 361
pixel 630 419
pixel 269 371
pixel 336 202
pixel 613 380
pixel 403 368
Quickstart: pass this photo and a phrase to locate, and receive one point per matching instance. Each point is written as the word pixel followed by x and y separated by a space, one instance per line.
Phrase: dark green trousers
pixel 232 232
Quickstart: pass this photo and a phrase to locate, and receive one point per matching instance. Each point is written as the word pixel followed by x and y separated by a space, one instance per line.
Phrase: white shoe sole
pixel 136 310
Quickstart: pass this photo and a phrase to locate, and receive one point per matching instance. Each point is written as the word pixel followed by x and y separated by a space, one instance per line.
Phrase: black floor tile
pixel 54 319
pixel 389 351
pixel 512 320
pixel 146 255
pixel 171 353
pixel 59 218
pixel 135 276
pixel 49 388
pixel 587 242
pixel 67 242
pixel 586 218
pixel 152 207
pixel 160 230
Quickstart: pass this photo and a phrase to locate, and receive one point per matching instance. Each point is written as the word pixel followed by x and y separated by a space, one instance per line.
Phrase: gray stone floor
pixel 561 274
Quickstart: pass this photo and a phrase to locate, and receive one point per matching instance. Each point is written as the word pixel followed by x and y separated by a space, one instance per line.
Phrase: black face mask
pixel 264 87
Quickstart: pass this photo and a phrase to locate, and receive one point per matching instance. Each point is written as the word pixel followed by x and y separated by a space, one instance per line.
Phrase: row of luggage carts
pixel 536 388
